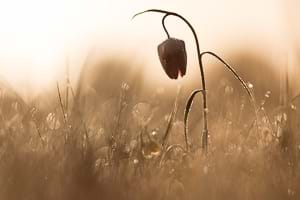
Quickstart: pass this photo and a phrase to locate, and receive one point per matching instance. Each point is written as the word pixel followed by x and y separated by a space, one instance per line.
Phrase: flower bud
pixel 173 58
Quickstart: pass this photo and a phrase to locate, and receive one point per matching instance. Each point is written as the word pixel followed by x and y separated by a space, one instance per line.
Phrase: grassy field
pixel 113 137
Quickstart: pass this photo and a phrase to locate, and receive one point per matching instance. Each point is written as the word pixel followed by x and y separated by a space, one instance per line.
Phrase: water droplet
pixel 293 107
pixel 250 85
pixel 135 161
pixel 267 95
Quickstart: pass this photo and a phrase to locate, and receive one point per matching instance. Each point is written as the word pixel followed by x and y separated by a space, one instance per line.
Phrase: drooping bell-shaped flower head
pixel 172 56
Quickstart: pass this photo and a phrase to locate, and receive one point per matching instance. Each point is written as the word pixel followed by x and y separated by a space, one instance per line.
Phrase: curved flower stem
pixel 205 110
pixel 230 69
pixel 251 96
pixel 186 114
pixel 163 24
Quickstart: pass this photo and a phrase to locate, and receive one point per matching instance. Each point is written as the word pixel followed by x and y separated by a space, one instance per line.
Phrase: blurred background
pixel 42 40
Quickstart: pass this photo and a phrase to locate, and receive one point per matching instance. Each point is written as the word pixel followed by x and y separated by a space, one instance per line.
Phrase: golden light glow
pixel 36 35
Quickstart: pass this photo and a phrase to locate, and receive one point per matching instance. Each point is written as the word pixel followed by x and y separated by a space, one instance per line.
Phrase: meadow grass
pixel 128 146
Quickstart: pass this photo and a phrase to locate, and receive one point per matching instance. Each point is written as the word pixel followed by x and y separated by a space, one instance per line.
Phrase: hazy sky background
pixel 36 35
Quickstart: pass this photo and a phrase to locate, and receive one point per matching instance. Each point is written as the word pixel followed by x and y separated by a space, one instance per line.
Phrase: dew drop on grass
pixel 153 133
pixel 135 161
pixel 293 107
pixel 250 85
pixel 267 94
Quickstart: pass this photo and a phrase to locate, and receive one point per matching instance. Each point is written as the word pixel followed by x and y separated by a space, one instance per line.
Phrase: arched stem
pixel 205 110
pixel 163 24
pixel 251 96
pixel 230 69
pixel 186 115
